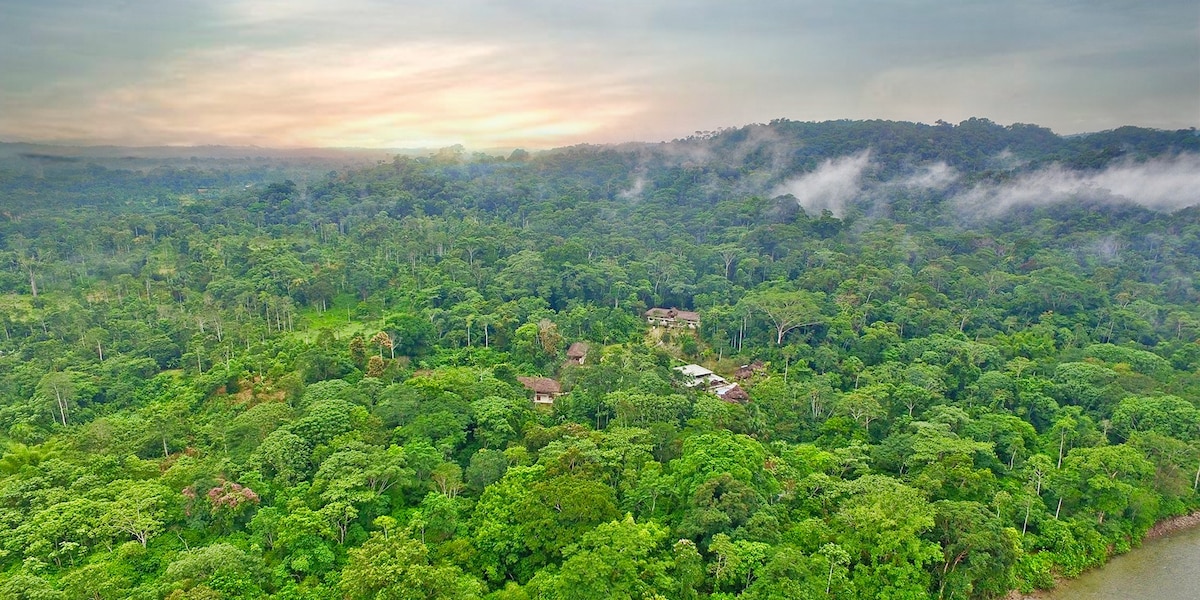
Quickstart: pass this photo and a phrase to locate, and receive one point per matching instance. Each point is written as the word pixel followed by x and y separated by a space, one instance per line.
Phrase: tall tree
pixel 786 310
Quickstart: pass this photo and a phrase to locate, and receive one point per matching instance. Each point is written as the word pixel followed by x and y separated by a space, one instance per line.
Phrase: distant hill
pixel 833 165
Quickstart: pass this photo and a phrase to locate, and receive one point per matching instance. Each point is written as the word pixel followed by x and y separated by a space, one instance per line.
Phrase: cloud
pixel 835 183
pixel 634 192
pixel 937 176
pixel 397 95
pixel 1164 184
pixel 565 73
pixel 1006 160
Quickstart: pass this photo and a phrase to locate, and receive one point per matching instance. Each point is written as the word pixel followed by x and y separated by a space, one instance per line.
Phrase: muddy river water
pixel 1165 568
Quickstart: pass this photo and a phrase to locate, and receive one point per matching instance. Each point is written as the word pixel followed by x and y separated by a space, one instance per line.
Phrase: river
pixel 1164 568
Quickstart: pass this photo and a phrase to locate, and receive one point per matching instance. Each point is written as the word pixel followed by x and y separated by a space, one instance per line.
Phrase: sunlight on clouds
pixel 383 72
pixel 401 95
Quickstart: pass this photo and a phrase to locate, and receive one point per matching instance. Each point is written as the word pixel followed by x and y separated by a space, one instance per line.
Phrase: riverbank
pixel 1162 528
pixel 1172 525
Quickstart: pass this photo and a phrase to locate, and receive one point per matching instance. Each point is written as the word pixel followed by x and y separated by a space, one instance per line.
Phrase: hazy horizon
pixel 421 150
pixel 386 75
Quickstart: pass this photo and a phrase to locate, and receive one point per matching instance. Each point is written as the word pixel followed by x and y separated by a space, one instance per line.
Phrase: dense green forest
pixel 215 383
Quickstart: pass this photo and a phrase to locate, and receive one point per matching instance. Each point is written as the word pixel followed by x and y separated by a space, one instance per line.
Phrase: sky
pixel 546 73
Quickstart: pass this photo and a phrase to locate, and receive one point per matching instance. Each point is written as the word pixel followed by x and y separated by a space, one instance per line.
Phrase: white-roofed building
pixel 700 376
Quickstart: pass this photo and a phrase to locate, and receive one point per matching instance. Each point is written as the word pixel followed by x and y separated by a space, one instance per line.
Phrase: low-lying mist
pixel 1165 184
pixel 835 183
pixel 839 182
